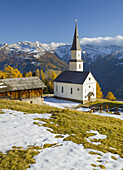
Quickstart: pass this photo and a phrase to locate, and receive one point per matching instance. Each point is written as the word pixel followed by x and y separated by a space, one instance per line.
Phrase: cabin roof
pixel 18 84
pixel 74 77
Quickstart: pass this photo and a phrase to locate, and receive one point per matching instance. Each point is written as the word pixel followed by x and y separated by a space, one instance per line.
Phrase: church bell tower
pixel 76 63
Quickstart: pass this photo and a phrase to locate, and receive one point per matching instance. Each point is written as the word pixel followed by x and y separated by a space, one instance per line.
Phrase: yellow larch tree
pixel 30 74
pixel 10 72
pixel 99 93
pixel 42 75
pixel 38 73
pixel 110 96
pixel 27 74
pixel 54 75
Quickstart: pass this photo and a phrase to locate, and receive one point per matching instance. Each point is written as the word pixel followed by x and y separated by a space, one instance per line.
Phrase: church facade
pixel 75 84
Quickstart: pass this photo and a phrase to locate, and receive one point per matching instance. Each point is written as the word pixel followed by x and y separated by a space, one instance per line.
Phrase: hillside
pixel 107 68
pixel 41 137
pixel 104 61
pixel 27 56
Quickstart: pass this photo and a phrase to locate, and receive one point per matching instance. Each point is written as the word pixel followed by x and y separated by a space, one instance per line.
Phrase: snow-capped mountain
pixel 36 49
pixel 105 61
pixel 62 50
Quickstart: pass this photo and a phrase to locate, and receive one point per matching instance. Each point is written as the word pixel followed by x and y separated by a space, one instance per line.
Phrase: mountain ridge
pixel 105 62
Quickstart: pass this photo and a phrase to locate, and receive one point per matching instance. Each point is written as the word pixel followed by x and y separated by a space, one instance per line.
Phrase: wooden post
pixel 107 108
pixel 41 92
pixel 10 95
pixel 21 95
pixel 101 108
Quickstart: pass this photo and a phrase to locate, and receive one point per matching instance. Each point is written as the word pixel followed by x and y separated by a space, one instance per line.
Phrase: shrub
pixel 110 96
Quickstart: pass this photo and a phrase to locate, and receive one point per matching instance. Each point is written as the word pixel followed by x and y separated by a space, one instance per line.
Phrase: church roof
pixel 76 43
pixel 74 77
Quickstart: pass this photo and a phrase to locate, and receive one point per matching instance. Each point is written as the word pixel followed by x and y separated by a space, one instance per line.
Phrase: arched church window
pixel 79 66
pixel 89 78
pixel 89 86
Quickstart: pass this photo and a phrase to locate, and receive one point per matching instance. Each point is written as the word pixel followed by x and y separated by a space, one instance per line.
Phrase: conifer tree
pixel 46 90
pixel 99 93
pixel 17 73
pixel 34 74
pixel 27 74
pixel 37 73
pixel 50 86
pixel 2 75
pixel 54 75
pixel 42 75
pixel 110 96
pixel 24 74
pixel 10 72
pixel 50 75
pixel 30 74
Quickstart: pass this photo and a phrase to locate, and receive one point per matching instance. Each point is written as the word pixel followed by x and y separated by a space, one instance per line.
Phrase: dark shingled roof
pixel 17 84
pixel 76 43
pixel 74 77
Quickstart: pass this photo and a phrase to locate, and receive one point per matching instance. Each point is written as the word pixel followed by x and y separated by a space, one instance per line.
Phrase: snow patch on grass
pixel 67 156
pixel 69 104
pixel 83 109
pixel 17 129
pixel 109 115
pixel 96 136
pixel 107 161
pixel 60 103
pixel 73 156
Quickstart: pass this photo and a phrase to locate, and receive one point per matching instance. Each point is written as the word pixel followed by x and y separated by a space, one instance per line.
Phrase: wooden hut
pixel 21 88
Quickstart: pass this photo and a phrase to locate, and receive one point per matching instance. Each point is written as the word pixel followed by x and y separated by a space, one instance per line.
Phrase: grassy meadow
pixel 66 121
pixel 103 102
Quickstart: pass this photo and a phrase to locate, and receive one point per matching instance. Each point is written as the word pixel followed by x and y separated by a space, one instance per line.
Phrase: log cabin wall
pixel 2 95
pixel 25 94
pixel 21 88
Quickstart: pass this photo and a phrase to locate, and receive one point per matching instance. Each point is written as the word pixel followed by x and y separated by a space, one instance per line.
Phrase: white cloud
pixel 103 41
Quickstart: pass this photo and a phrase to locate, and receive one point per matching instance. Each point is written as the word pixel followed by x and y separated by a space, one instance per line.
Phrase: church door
pixel 89 97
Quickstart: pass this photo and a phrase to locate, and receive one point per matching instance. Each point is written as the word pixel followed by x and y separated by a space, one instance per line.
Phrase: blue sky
pixel 49 21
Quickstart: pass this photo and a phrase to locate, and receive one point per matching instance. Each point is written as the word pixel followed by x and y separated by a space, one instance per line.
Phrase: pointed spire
pixel 76 43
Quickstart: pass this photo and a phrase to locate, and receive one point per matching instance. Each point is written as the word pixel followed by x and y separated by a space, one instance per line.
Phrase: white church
pixel 75 84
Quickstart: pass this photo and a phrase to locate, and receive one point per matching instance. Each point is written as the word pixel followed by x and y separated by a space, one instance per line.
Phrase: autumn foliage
pixel 99 93
pixel 48 81
pixel 10 72
pixel 47 78
pixel 110 96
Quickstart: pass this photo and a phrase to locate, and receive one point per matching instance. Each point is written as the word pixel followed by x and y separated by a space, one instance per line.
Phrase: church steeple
pixel 76 43
pixel 76 63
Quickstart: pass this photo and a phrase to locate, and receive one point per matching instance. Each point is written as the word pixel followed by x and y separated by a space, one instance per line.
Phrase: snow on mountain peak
pixel 2 45
pixel 38 44
pixel 92 48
